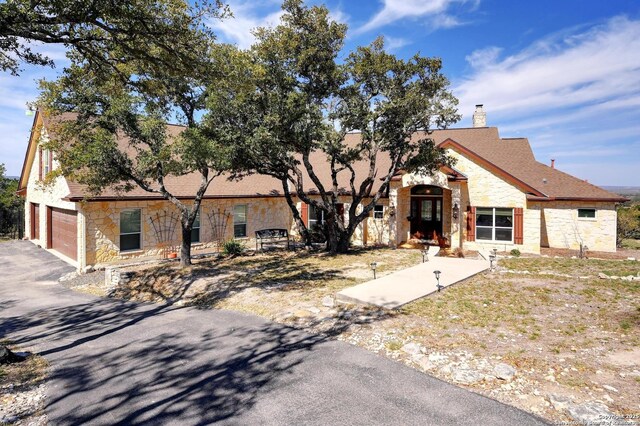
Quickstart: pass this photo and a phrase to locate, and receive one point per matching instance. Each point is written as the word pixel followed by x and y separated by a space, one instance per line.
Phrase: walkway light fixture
pixel 374 265
pixel 425 255
pixel 437 274
pixel 493 259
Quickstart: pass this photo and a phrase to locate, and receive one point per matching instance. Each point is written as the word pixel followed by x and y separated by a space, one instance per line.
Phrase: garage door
pixel 64 232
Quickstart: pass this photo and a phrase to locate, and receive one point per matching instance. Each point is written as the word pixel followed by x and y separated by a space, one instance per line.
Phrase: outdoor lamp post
pixel 437 274
pixel 493 259
pixel 374 265
pixel 425 255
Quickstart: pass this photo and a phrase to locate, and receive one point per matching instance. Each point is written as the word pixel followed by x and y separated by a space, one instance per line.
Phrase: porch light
pixel 437 274
pixel 374 265
pixel 425 255
pixel 456 211
pixel 492 260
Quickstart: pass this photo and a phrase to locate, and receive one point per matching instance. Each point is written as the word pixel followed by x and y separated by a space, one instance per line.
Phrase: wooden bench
pixel 271 237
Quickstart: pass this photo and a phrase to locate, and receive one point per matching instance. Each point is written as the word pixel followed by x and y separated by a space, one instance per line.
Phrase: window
pixel 130 230
pixel 195 229
pixel 316 217
pixel 587 213
pixel 494 224
pixel 46 162
pixel 240 221
pixel 378 212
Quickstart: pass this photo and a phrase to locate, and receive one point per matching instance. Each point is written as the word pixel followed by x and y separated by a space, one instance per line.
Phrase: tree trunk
pixel 338 240
pixel 304 231
pixel 185 248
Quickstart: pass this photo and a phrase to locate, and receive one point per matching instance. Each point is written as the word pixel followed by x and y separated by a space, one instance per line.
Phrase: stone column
pixel 456 198
pixel 393 219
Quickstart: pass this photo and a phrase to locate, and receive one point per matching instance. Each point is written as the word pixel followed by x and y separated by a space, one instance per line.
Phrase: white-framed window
pixel 46 162
pixel 378 211
pixel 240 221
pixel 316 217
pixel 195 229
pixel 494 224
pixel 130 230
pixel 586 213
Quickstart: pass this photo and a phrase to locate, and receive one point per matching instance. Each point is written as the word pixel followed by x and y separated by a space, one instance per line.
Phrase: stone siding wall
pixel 485 189
pixel 103 227
pixel 561 227
pixel 50 195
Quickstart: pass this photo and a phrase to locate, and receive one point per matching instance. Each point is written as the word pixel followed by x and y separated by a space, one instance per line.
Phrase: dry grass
pixel 575 267
pixel 31 372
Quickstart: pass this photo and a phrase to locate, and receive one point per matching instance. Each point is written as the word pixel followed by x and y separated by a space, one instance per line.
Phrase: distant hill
pixel 624 190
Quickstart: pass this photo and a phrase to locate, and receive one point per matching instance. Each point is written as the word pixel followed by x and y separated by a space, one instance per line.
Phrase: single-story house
pixel 495 196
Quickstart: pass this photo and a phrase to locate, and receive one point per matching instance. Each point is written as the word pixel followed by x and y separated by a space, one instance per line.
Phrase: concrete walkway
pixel 402 287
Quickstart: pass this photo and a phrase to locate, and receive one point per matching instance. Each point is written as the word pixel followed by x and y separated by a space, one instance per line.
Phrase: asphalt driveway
pixel 121 363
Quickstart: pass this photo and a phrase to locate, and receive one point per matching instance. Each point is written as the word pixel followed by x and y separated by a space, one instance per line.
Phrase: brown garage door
pixel 63 232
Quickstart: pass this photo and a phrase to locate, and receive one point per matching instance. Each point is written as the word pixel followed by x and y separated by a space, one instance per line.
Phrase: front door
pixel 426 216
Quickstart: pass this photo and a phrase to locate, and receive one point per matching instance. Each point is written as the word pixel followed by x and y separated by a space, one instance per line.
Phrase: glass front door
pixel 426 217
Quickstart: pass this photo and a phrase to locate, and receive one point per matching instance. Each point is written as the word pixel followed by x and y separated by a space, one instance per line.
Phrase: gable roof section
pixel 513 160
pixel 30 154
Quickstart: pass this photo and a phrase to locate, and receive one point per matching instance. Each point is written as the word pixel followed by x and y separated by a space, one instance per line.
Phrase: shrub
pixel 515 252
pixel 233 247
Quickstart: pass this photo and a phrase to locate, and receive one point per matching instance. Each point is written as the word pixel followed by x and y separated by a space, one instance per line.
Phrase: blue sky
pixel 565 74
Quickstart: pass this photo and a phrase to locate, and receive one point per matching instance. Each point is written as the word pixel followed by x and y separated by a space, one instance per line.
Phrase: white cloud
pixel 483 58
pixel 395 10
pixel 595 66
pixel 249 15
pixel 393 43
pixel 574 94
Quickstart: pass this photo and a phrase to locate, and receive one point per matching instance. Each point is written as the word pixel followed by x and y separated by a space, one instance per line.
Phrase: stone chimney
pixel 479 117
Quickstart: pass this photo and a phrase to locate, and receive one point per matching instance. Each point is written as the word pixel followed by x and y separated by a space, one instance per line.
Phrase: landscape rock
pixel 328 301
pixel 302 313
pixel 504 371
pixel 602 276
pixel 610 388
pixel 559 402
pixel 593 413
pixel 467 377
pixel 424 363
pixel 412 348
pixel 437 357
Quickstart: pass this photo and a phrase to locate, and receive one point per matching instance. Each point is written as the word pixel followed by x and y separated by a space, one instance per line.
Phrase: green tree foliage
pixel 133 99
pixel 11 206
pixel 629 222
pixel 305 102
pixel 104 33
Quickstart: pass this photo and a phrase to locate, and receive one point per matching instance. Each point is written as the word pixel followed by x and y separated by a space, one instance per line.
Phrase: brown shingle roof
pixel 515 157
pixel 511 157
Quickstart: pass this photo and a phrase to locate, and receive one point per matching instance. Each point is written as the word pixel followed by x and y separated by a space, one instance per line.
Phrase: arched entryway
pixel 426 211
